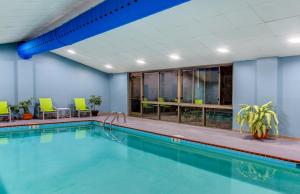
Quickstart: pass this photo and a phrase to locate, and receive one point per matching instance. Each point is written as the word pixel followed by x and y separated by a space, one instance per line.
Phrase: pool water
pixel 84 159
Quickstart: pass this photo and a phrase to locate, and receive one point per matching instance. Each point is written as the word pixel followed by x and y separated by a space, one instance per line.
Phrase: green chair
pixel 198 101
pixel 5 110
pixel 162 105
pixel 147 106
pixel 197 113
pixel 46 107
pixel 80 106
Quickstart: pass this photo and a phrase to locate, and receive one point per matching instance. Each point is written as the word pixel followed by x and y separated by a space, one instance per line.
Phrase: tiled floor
pixel 281 148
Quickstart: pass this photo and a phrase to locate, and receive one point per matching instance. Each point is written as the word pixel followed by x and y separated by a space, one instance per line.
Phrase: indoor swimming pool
pixel 83 158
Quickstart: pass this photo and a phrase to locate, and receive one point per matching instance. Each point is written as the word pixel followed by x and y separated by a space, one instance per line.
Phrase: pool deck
pixel 280 148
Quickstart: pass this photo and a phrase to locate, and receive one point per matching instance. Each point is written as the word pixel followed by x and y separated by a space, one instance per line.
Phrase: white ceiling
pixel 248 28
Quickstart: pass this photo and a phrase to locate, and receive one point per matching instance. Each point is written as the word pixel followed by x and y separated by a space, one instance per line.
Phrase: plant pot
pixel 265 136
pixel 95 112
pixel 27 116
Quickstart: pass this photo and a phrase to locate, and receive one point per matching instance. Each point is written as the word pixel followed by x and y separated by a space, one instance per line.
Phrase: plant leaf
pixel 264 129
pixel 268 117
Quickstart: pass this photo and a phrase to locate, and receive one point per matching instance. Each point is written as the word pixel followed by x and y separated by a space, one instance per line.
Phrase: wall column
pixel 267 80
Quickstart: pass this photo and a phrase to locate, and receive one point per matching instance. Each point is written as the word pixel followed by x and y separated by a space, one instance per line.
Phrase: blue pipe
pixel 104 17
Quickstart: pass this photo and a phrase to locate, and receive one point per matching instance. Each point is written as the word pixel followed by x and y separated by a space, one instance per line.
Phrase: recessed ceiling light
pixel 295 40
pixel 223 50
pixel 140 61
pixel 108 66
pixel 71 51
pixel 174 57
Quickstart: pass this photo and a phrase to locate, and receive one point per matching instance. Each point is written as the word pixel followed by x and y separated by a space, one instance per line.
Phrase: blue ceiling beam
pixel 106 16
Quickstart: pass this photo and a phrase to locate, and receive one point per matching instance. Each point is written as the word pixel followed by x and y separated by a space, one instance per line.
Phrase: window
pixel 187 86
pixel 212 86
pixel 168 113
pixel 168 86
pixel 192 115
pixel 150 86
pixel 199 86
pixel 150 111
pixel 205 93
pixel 219 118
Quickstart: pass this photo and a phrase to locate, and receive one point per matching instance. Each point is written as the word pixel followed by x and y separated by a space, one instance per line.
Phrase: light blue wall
pixel 49 75
pixel 119 92
pixel 63 80
pixel 7 73
pixel 267 80
pixel 289 95
pixel 277 79
pixel 244 85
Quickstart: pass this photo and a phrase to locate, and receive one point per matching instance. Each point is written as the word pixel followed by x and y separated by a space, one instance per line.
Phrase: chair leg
pixel 10 118
pixel 43 115
pixel 78 114
pixel 90 113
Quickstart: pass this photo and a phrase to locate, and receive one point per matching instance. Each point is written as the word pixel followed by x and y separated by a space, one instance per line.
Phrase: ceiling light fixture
pixel 71 51
pixel 140 61
pixel 108 66
pixel 223 50
pixel 174 57
pixel 295 40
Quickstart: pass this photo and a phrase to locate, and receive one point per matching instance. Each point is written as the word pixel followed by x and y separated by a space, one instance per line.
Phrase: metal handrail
pixel 109 115
pixel 124 116
pixel 116 115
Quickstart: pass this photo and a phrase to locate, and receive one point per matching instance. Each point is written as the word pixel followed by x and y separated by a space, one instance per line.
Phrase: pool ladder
pixel 113 116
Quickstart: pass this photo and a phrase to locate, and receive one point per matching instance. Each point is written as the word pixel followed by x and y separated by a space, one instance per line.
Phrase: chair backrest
pixel 46 104
pixel 145 105
pixel 198 101
pixel 161 100
pixel 4 107
pixel 80 104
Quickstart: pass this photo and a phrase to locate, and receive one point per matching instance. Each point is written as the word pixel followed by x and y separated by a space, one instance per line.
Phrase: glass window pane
pixel 226 85
pixel 192 116
pixel 219 118
pixel 212 86
pixel 187 86
pixel 150 111
pixel 135 88
pixel 150 86
pixel 168 113
pixel 168 86
pixel 199 86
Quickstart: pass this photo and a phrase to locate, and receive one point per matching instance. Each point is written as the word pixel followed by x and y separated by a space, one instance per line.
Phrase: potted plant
pixel 25 105
pixel 259 120
pixel 95 101
pixel 15 110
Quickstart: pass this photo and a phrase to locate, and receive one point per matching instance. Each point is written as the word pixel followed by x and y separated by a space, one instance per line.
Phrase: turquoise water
pixel 85 160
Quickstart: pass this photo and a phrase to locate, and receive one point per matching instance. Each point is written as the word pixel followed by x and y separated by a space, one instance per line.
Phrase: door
pixel 135 94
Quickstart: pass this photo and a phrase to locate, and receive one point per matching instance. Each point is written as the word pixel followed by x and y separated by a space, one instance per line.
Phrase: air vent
pixel 104 17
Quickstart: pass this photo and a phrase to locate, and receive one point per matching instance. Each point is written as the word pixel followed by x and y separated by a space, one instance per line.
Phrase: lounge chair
pixel 46 107
pixel 5 110
pixel 80 106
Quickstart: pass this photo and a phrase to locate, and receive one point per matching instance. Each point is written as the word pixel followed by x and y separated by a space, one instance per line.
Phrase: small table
pixel 63 110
